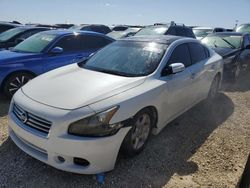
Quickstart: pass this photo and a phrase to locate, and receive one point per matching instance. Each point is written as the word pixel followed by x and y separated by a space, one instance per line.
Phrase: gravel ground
pixel 203 147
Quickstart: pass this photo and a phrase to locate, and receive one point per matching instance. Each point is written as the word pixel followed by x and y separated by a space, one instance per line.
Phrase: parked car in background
pixel 123 34
pixel 4 26
pixel 201 32
pixel 77 118
pixel 43 52
pixel 64 26
pixel 167 29
pixel 43 25
pixel 244 28
pixel 14 36
pixel 94 27
pixel 235 50
pixel 120 28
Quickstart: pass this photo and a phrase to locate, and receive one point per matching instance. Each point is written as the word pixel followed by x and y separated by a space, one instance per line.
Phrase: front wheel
pixel 137 137
pixel 16 81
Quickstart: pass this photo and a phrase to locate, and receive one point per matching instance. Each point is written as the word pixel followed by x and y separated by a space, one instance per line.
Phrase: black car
pixel 14 36
pixel 4 26
pixel 245 179
pixel 120 28
pixel 167 29
pixel 235 50
pixel 94 27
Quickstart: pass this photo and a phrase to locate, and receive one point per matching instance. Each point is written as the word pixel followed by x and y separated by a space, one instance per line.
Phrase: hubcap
pixel 141 131
pixel 17 82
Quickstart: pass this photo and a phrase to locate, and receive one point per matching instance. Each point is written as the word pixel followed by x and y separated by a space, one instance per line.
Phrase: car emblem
pixel 24 117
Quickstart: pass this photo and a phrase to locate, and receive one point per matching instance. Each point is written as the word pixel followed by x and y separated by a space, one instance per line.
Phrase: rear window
pixel 197 52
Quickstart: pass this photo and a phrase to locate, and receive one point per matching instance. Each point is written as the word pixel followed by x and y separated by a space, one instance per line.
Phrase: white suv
pixel 78 117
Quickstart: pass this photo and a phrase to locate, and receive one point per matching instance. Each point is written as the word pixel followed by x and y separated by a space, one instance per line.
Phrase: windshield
pixel 35 43
pixel 10 33
pixel 243 29
pixel 202 32
pixel 153 30
pixel 223 41
pixel 128 59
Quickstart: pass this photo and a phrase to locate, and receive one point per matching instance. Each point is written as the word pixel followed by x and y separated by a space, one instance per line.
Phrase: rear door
pixel 199 56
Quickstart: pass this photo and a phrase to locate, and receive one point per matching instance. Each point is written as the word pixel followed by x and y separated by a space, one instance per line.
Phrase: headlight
pixel 96 125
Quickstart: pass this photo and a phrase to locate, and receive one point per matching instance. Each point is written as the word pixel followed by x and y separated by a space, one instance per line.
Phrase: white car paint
pixel 71 93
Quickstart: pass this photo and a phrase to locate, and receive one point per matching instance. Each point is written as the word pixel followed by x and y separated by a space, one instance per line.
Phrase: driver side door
pixel 179 90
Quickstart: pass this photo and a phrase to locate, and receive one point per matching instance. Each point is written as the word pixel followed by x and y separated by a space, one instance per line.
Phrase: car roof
pixel 227 34
pixel 163 39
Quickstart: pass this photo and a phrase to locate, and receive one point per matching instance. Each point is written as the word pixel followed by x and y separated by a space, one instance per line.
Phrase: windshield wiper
pixel 230 44
pixel 110 72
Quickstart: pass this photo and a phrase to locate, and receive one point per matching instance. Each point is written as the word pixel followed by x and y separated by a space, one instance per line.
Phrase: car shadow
pixel 241 85
pixel 166 154
pixel 4 105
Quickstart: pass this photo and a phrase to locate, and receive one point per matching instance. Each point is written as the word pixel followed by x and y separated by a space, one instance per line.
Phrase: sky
pixel 213 13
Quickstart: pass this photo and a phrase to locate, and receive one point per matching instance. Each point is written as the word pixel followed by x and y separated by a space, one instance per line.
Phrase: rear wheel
pixel 16 81
pixel 138 135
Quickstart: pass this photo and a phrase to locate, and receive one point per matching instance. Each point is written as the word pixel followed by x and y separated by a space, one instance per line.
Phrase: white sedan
pixel 78 117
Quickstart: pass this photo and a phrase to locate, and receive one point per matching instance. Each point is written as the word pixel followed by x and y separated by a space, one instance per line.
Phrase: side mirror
pixel 56 50
pixel 176 67
pixel 18 40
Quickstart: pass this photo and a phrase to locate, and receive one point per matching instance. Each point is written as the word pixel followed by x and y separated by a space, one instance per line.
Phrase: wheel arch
pixel 13 73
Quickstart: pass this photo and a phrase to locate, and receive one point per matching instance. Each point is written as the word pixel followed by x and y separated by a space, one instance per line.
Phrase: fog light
pixel 82 162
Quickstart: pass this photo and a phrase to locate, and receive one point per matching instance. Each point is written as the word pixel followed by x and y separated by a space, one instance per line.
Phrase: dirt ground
pixel 205 147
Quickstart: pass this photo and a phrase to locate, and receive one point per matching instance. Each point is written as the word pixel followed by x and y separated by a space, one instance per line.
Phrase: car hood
pixel 72 87
pixel 7 56
pixel 225 52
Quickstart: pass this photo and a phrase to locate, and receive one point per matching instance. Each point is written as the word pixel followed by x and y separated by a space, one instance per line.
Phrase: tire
pixel 214 88
pixel 14 82
pixel 137 138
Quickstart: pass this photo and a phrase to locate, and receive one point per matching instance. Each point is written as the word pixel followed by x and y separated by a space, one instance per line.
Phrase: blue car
pixel 43 52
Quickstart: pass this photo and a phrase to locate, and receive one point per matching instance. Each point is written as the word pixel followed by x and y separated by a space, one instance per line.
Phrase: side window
pixel 68 43
pixel 197 52
pixel 180 55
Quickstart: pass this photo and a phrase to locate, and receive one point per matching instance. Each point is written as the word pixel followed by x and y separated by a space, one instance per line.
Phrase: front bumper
pixel 101 153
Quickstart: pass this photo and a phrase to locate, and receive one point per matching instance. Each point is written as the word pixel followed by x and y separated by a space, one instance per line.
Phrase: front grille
pixel 31 120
